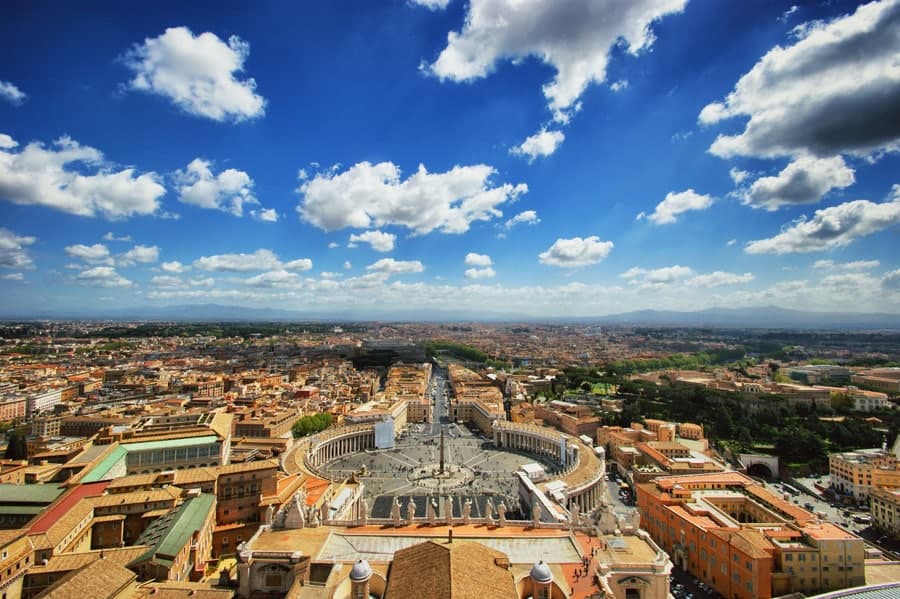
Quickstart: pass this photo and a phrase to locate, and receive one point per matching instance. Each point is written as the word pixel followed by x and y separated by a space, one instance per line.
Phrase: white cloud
pixel 676 203
pixel 526 217
pixel 13 250
pixel 574 37
pixel 657 276
pixel 832 227
pixel 737 175
pixel 197 73
pixel 432 4
pixel 570 253
pixel 13 276
pixel 855 265
pixel 720 278
pixel 731 242
pixel 473 259
pixel 7 142
pixel 38 176
pixel 139 253
pixel 347 265
pixel 391 266
pixel 380 242
pixel 102 276
pixel 300 264
pixel 167 281
pixel 259 260
pixel 333 245
pixel 542 143
pixel 480 273
pixel 92 254
pixel 834 91
pixel 331 275
pixel 891 281
pixel 619 85
pixel 230 191
pixel 274 278
pixel 174 267
pixel 112 237
pixel 266 215
pixel 11 93
pixel 787 14
pixel 806 180
pixel 367 195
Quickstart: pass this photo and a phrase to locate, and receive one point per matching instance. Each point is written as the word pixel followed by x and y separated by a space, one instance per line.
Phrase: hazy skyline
pixel 570 157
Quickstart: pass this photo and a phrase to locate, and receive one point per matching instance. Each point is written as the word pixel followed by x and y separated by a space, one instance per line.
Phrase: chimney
pixel 450 537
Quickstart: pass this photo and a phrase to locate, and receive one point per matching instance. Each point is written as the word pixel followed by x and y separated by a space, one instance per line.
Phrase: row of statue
pixel 431 506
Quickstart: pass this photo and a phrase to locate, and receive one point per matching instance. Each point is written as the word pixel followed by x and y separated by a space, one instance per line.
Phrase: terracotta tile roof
pixel 98 580
pixel 464 570
pixel 181 590
pixel 74 561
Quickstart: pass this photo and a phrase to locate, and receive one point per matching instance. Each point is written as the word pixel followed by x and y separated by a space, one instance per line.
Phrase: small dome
pixel 540 572
pixel 360 571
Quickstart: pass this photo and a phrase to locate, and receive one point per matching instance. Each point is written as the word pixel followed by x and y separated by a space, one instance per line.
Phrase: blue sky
pixel 548 158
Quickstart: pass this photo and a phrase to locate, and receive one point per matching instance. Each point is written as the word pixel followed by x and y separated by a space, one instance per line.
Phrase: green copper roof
pixel 28 494
pixel 169 534
pixel 106 464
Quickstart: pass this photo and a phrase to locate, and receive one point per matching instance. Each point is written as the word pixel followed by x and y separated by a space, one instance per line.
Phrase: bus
pixel 789 489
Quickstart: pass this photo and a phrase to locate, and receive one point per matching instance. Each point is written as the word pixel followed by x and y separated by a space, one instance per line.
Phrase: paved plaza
pixel 476 470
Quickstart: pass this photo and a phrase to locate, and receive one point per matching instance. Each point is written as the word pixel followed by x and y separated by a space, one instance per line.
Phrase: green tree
pixel 16 448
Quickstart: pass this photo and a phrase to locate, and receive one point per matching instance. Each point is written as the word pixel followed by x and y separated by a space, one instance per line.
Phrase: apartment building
pixel 857 473
pixel 885 504
pixel 745 541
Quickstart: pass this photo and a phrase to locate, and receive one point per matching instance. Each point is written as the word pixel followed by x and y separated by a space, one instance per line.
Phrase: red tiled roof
pixel 63 505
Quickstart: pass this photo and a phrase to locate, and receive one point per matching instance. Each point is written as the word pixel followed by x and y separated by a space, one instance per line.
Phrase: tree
pixel 16 448
pixel 312 423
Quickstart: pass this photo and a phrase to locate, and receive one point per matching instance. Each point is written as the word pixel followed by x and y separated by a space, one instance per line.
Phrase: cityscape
pixel 487 299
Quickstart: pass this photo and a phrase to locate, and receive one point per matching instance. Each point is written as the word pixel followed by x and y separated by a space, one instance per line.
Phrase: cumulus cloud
pixel 13 276
pixel 230 191
pixel 731 242
pixel 197 73
pixel 891 281
pixel 855 265
pixel 266 215
pixel 480 273
pixel 473 259
pixel 102 276
pixel 139 253
pixel 832 227
pixel 835 91
pixel 174 267
pixel 92 254
pixel 47 177
pixel 737 175
pixel 392 267
pixel 300 264
pixel 177 282
pixel 676 203
pixel 720 278
pixel 657 276
pixel 261 259
pixel 274 278
pixel 14 250
pixel 574 37
pixel 806 180
pixel 570 253
pixel 542 143
pixel 367 195
pixel 380 241
pixel 11 93
pixel 112 237
pixel 526 217
pixel 432 4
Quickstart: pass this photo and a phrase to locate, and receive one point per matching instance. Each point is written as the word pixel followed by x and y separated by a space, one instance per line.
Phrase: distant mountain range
pixel 765 317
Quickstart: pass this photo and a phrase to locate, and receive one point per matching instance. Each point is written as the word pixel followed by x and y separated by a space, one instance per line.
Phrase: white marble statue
pixel 431 508
pixel 489 510
pixel 536 514
pixel 410 512
pixel 636 519
pixel 501 513
pixel 467 510
pixel 395 512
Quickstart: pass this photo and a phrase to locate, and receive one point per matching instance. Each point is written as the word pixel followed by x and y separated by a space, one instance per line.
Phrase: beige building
pixel 885 504
pixel 857 473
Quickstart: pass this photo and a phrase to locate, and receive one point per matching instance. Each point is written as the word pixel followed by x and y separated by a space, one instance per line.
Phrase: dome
pixel 360 571
pixel 540 572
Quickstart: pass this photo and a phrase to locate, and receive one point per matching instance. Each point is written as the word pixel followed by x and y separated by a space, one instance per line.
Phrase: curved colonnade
pixel 582 470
